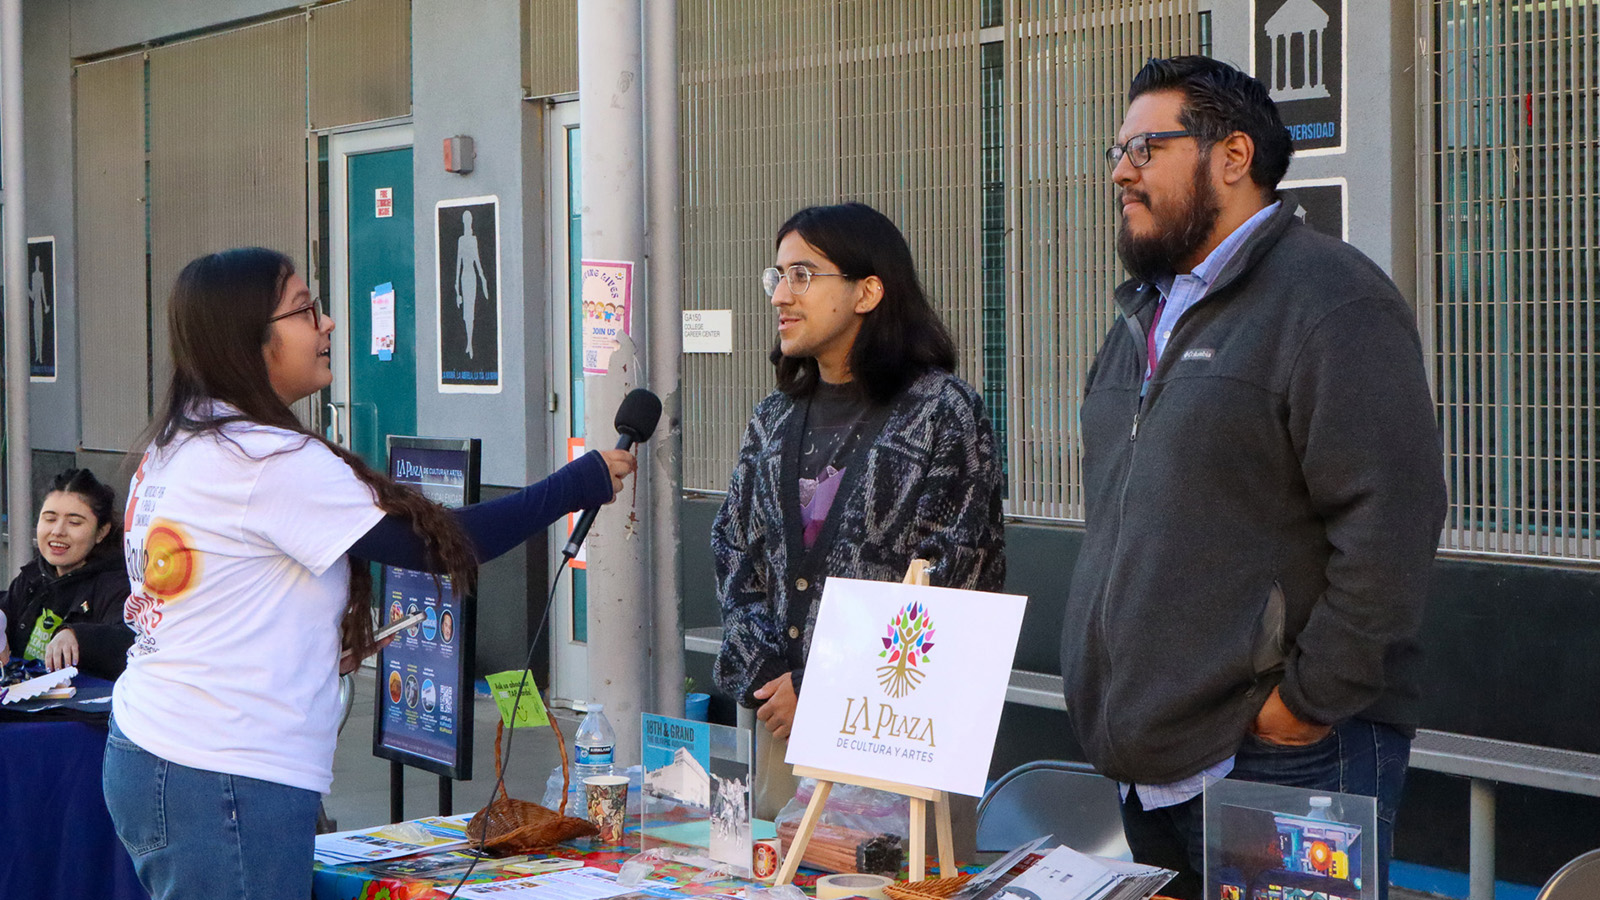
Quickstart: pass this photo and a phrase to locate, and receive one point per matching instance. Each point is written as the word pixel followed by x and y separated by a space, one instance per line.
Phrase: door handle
pixel 333 418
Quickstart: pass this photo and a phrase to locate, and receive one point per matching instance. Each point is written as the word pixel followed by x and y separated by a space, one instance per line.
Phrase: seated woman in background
pixel 65 607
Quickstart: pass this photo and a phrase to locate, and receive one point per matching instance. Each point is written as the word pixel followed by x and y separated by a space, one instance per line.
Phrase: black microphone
pixel 635 422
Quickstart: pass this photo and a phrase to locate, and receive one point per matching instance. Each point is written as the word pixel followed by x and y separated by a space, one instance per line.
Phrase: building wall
pixel 468 80
pixel 1377 160
pixel 47 165
pixel 97 26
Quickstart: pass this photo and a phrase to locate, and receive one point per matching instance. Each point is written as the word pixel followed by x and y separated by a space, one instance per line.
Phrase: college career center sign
pixel 905 683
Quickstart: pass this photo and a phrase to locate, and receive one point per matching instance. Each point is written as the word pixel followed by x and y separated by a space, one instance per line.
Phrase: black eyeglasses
pixel 316 313
pixel 798 276
pixel 1137 148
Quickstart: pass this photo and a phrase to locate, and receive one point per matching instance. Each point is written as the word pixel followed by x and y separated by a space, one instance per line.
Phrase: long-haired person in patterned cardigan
pixel 869 454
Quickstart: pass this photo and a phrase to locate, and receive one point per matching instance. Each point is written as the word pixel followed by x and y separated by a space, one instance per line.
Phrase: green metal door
pixel 383 382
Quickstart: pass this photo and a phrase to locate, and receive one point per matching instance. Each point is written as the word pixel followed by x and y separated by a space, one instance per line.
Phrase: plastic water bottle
pixel 595 744
pixel 1320 808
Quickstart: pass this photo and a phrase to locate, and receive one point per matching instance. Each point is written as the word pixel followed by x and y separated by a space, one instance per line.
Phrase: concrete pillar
pixel 611 115
pixel 19 454
pixel 665 324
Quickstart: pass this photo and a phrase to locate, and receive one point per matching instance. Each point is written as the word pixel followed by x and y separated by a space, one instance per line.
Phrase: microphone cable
pixel 505 756
pixel 635 423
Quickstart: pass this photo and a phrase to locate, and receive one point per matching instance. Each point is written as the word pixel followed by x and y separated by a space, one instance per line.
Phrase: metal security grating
pixel 759 139
pixel 910 93
pixel 1509 146
pixel 207 133
pixel 112 313
pixel 227 152
pixel 979 128
pixel 867 101
pixel 550 58
pixel 1070 72
pixel 992 163
pixel 359 55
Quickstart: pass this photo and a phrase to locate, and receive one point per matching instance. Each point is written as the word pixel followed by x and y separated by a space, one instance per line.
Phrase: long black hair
pixel 899 339
pixel 220 319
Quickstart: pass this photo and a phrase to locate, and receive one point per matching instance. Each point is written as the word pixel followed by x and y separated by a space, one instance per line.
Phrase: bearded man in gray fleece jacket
pixel 1263 483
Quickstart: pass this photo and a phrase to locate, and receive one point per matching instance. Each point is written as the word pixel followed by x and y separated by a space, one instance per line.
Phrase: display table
pixel 59 843
pixel 361 881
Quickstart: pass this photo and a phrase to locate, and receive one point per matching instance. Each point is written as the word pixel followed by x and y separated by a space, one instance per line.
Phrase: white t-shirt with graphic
pixel 236 554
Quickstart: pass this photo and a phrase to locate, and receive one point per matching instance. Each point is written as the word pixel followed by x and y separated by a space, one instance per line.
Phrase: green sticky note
pixel 530 709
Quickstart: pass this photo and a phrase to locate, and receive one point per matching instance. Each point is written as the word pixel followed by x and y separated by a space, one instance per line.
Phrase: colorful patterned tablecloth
pixel 360 881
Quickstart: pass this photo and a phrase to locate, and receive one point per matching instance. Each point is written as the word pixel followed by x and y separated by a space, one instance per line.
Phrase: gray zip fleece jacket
pixel 1266 515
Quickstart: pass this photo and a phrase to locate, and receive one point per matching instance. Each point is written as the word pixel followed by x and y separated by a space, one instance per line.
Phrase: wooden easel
pixel 917 573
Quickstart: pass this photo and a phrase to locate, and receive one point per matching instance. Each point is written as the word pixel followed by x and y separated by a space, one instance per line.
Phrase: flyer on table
pixel 905 683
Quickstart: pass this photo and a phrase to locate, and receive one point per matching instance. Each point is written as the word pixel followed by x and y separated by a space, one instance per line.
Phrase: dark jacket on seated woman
pixel 88 599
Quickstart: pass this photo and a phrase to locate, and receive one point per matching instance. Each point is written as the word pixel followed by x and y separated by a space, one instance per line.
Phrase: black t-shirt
pixel 835 414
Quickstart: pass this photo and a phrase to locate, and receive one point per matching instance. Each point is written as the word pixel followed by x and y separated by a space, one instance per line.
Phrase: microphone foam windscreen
pixel 638 414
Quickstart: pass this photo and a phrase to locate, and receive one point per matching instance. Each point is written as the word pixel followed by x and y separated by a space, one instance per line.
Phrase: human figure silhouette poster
pixel 42 309
pixel 467 239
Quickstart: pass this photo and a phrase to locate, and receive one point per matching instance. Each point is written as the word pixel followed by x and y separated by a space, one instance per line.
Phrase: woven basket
pixel 507 825
pixel 926 889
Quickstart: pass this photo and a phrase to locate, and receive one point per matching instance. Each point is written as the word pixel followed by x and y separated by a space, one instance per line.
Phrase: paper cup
pixel 696 707
pixel 608 805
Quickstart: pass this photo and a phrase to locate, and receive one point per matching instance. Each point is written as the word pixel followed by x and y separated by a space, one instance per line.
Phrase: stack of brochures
pixel 573 884
pixel 1063 874
pixel 434 833
pixel 452 863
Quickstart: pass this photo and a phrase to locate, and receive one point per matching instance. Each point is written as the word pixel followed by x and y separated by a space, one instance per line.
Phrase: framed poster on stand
pixel 422 713
pixel 882 710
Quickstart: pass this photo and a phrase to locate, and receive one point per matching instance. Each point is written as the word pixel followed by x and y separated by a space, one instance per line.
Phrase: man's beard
pixel 1177 234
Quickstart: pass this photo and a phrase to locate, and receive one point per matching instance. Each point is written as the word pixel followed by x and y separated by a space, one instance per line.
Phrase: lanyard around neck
pixel 1150 341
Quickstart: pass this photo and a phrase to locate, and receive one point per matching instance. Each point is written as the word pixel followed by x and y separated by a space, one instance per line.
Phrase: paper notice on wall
pixel 607 311
pixel 708 331
pixel 383 321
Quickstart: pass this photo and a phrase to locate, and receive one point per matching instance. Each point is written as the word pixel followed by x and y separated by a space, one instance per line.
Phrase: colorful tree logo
pixel 905 650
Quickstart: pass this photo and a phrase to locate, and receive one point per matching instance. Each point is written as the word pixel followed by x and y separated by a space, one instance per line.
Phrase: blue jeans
pixel 198 834
pixel 1358 757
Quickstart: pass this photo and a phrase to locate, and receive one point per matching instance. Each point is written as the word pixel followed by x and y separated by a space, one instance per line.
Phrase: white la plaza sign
pixel 905 683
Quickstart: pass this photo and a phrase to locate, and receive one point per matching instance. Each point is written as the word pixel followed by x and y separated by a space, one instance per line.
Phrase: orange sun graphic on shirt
pixel 171 566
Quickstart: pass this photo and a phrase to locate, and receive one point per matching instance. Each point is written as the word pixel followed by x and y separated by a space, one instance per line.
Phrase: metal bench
pixel 1486 762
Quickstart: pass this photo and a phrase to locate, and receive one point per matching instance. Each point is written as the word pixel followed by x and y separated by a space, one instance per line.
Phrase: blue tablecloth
pixel 58 842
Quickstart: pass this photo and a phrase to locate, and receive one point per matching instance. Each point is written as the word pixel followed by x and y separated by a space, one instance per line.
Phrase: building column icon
pixel 1296 35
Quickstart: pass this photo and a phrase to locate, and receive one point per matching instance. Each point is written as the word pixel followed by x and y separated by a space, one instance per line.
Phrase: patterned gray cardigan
pixel 930 488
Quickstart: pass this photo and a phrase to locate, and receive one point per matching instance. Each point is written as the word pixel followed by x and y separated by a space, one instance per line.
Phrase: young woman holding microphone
pixel 247 541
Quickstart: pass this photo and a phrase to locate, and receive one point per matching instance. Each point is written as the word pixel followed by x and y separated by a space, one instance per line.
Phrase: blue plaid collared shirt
pixel 1182 292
